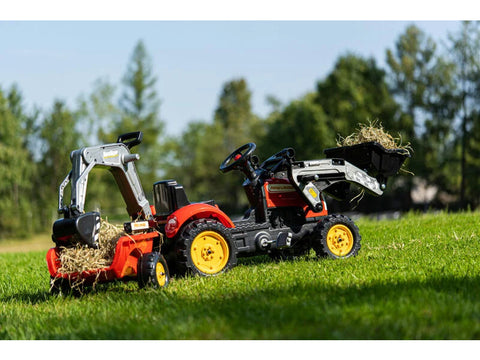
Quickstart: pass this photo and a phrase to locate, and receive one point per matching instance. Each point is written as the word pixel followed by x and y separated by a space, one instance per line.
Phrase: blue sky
pixel 191 59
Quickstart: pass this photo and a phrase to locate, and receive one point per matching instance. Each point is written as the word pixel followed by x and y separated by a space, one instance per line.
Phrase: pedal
pixel 284 239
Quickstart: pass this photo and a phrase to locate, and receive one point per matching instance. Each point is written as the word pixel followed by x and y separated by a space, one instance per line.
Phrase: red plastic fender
pixel 193 212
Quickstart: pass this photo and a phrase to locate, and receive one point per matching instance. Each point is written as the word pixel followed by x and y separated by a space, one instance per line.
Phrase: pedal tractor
pixel 287 216
pixel 288 213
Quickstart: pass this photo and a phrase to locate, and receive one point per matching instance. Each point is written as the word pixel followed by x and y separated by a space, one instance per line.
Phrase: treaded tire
pixel 152 270
pixel 336 237
pixel 205 247
pixel 59 286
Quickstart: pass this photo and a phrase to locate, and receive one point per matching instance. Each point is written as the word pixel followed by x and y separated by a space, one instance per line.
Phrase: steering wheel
pixel 236 158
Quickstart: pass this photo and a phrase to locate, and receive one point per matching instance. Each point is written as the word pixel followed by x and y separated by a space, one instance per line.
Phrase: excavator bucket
pixel 84 229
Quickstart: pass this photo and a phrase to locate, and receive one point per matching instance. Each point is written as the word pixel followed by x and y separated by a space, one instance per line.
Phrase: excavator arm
pixel 116 158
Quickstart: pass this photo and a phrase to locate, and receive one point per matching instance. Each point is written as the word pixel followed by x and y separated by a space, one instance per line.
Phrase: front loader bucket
pixel 84 228
pixel 372 157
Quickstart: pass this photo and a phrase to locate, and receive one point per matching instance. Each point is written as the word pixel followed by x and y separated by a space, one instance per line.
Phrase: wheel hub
pixel 209 252
pixel 340 240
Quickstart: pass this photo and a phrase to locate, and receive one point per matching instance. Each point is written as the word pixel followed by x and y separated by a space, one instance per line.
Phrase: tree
pixel 236 125
pixel 194 157
pixel 356 92
pixel 302 125
pixel 234 115
pixel 59 137
pixel 423 83
pixel 464 48
pixel 138 110
pixel 16 169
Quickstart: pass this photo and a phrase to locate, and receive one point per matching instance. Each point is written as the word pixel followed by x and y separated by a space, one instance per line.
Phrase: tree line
pixel 427 96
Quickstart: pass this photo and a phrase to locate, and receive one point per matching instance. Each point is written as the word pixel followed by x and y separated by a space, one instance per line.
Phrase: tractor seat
pixel 170 196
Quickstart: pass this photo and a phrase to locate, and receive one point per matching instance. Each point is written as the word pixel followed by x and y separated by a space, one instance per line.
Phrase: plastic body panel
pixel 127 252
pixel 196 211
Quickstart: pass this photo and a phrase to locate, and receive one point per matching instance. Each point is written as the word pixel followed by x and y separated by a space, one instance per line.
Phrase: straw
pixel 81 258
pixel 373 131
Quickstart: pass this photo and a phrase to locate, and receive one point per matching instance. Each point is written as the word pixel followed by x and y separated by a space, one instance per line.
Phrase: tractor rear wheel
pixel 337 237
pixel 152 270
pixel 205 247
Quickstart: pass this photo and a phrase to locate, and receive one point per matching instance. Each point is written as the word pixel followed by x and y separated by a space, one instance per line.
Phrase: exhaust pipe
pixel 84 228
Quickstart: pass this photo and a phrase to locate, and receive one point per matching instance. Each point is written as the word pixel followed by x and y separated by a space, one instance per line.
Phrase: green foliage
pixel 356 92
pixel 59 137
pixel 423 82
pixel 414 278
pixel 137 109
pixel 427 97
pixel 140 109
pixel 302 125
pixel 464 49
pixel 197 154
pixel 16 169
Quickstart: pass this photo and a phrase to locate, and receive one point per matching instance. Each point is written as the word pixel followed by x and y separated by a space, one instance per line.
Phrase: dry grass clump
pixel 373 131
pixel 81 258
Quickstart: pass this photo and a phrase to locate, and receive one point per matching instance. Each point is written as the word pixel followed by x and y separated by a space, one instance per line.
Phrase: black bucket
pixel 84 228
pixel 372 158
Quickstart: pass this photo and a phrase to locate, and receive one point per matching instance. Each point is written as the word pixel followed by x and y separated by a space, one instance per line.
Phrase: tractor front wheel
pixel 205 247
pixel 337 237
pixel 152 270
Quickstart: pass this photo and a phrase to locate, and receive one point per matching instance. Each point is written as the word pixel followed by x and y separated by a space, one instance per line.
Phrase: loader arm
pixel 119 161
pixel 312 178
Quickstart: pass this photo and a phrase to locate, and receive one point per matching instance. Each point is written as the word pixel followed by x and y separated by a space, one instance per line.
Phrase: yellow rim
pixel 340 240
pixel 209 252
pixel 161 274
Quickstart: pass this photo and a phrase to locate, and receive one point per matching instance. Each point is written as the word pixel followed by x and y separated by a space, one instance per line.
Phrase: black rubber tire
pixel 331 222
pixel 147 271
pixel 59 286
pixel 66 287
pixel 183 247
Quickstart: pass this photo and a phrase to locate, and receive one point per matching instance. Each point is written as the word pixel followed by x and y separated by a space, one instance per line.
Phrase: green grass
pixel 414 278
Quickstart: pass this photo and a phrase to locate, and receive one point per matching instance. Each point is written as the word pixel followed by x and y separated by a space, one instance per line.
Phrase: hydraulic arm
pixel 116 158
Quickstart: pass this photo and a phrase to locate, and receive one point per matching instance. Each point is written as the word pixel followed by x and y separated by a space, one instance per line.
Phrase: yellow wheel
pixel 161 274
pixel 209 252
pixel 339 240
pixel 336 236
pixel 205 247
pixel 152 270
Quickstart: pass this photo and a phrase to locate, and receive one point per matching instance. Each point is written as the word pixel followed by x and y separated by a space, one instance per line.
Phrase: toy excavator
pixel 288 213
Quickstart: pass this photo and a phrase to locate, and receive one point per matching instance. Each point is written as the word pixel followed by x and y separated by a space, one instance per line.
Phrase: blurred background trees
pixel 428 95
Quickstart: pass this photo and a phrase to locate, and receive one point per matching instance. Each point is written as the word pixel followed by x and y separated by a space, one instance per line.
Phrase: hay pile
pixel 81 258
pixel 373 131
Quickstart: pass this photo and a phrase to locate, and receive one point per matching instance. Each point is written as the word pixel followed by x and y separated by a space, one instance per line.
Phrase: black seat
pixel 169 196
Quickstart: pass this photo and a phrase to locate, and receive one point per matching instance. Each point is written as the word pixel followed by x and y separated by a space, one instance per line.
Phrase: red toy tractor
pixel 287 216
pixel 288 213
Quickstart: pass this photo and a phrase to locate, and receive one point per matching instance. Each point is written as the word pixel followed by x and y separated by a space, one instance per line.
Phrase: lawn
pixel 415 278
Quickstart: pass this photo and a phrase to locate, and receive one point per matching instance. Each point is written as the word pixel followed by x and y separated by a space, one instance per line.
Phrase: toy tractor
pixel 288 213
pixel 287 217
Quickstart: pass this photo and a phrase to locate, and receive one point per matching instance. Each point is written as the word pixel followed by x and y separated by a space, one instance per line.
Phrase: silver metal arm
pixel 118 160
pixel 315 176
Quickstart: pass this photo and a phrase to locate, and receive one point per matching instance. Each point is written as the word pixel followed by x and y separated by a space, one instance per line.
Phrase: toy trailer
pixel 136 258
pixel 137 254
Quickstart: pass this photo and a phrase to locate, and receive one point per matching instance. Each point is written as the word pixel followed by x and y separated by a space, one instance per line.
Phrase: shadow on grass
pixel 443 307
pixel 440 307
